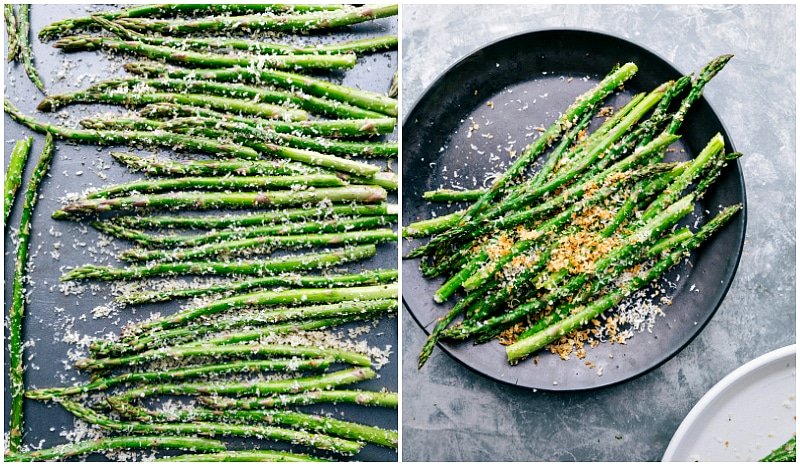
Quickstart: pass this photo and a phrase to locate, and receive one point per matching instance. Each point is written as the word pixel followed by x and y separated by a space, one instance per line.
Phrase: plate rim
pixel 742 216
pixel 711 395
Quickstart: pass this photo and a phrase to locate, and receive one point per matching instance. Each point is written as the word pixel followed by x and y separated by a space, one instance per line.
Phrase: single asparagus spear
pixel 128 97
pixel 231 351
pixel 708 72
pixel 357 397
pixel 258 268
pixel 14 173
pixel 260 245
pixel 319 441
pixel 318 105
pixel 287 365
pixel 25 52
pixel 258 218
pixel 230 200
pixel 164 139
pixel 66 26
pixel 17 312
pixel 364 278
pixel 107 444
pixel 284 79
pixel 289 23
pixel 432 226
pixel 165 167
pixel 579 318
pixel 452 195
pixel 237 183
pixel 311 317
pixel 269 298
pixel 245 456
pixel 112 228
pixel 12 31
pixel 207 59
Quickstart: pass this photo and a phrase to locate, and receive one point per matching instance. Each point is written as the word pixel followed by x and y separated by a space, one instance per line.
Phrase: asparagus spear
pixel 116 230
pixel 578 318
pixel 257 218
pixel 311 317
pixel 12 31
pixel 268 298
pixel 207 59
pixel 290 23
pixel 357 397
pixel 164 139
pixel 785 453
pixel 14 173
pixel 432 226
pixel 249 456
pixel 107 444
pixel 165 167
pixel 230 200
pixel 258 268
pixel 288 365
pixel 17 312
pixel 364 278
pixel 66 26
pixel 319 441
pixel 216 184
pixel 308 84
pixel 25 52
pixel 179 353
pixel 128 97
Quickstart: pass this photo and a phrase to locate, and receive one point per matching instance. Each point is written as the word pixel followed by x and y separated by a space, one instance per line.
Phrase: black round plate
pixel 494 99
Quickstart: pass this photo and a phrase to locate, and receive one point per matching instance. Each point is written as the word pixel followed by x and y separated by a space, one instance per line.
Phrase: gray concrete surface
pixel 452 414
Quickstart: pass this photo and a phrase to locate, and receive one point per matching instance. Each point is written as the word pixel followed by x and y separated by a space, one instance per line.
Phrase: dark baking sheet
pixel 50 313
pixel 508 88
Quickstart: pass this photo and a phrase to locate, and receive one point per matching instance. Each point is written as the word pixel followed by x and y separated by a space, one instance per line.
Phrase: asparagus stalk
pixel 12 31
pixel 369 277
pixel 785 453
pixel 17 312
pixel 257 218
pixel 260 245
pixel 270 298
pixel 357 397
pixel 248 456
pixel 583 315
pixel 216 184
pixel 340 128
pixel 293 81
pixel 319 441
pixel 207 59
pixel 311 317
pixel 451 195
pixel 25 52
pixel 107 444
pixel 710 70
pixel 230 200
pixel 128 97
pixel 288 23
pixel 258 268
pixel 165 167
pixel 287 365
pixel 432 226
pixel 116 230
pixel 14 173
pixel 66 26
pixel 164 139
pixel 180 353
pixel 318 105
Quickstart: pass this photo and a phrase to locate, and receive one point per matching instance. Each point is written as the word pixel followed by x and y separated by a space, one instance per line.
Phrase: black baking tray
pixel 49 310
pixel 509 88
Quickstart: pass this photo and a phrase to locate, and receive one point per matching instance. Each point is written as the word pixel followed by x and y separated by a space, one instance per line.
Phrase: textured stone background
pixel 450 413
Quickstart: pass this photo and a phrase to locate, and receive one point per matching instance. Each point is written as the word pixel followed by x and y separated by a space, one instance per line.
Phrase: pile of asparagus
pixel 544 253
pixel 289 152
